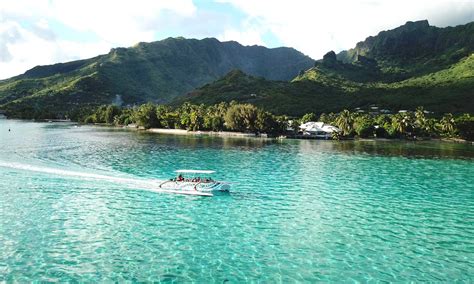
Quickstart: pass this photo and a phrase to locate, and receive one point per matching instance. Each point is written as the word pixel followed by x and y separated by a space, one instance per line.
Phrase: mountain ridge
pixel 412 65
pixel 156 71
pixel 427 48
pixel 376 75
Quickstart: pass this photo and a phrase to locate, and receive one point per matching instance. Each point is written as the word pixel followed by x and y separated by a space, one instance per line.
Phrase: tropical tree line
pixel 219 117
pixel 249 118
pixel 411 125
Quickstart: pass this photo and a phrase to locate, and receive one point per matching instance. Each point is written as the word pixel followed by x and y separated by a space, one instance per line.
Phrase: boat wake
pixel 132 183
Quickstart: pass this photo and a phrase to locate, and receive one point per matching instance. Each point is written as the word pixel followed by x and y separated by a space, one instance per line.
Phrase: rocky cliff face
pixel 414 48
pixel 157 71
pixel 410 66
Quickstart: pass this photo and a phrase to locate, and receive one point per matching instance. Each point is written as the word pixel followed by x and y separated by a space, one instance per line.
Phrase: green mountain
pixel 157 71
pixel 280 97
pixel 413 65
pixel 413 49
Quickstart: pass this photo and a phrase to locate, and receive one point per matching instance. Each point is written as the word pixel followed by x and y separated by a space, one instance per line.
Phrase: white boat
pixel 195 182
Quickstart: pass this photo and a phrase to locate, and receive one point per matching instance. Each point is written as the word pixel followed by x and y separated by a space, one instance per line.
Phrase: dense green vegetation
pixel 445 91
pixel 157 72
pixel 279 97
pixel 412 65
pixel 413 49
pixel 249 118
pixel 400 69
pixel 219 117
pixel 410 125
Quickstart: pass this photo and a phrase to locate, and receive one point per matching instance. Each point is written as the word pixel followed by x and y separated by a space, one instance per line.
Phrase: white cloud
pixel 27 37
pixel 315 27
pixel 38 32
pixel 250 33
pixel 29 50
pixel 248 37
pixel 118 22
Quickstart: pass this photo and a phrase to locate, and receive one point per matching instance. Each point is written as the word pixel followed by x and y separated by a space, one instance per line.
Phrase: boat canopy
pixel 194 172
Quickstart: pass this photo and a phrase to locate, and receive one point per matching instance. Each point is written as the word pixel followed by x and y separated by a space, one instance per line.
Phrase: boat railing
pixel 196 184
pixel 165 182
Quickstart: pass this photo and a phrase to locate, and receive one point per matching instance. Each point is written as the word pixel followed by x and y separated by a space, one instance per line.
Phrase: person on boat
pixel 180 178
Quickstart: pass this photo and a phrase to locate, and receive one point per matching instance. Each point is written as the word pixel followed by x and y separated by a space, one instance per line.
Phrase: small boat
pixel 195 182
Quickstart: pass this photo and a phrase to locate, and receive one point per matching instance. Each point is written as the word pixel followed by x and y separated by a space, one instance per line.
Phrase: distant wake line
pixel 149 185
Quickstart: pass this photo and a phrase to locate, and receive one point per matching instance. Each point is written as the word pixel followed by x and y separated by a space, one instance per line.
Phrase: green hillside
pixel 448 90
pixel 413 49
pixel 410 66
pixel 280 97
pixel 157 71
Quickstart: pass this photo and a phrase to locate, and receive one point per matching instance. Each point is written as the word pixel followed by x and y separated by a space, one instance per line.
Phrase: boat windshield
pixel 181 178
pixel 194 172
pixel 199 176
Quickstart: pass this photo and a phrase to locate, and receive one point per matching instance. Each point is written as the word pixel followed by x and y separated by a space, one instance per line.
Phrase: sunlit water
pixel 76 204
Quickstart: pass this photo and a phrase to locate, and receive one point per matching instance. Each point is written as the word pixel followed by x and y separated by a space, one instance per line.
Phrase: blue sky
pixel 40 32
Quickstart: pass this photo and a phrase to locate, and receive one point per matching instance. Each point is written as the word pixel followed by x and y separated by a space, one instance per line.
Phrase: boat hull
pixel 195 186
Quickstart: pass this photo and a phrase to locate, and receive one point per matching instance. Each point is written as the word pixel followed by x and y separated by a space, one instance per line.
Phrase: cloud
pixel 23 48
pixel 249 33
pixel 41 28
pixel 30 30
pixel 9 34
pixel 118 22
pixel 315 27
pixel 26 49
pixel 202 23
pixel 38 32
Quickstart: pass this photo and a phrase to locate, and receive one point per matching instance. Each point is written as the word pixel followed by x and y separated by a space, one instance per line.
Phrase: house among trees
pixel 318 129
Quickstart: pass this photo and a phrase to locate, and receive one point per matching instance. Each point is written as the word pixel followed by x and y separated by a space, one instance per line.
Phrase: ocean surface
pixel 77 204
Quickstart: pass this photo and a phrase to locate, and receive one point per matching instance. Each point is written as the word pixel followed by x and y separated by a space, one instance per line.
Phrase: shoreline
pixel 232 134
pixel 201 132
pixel 265 136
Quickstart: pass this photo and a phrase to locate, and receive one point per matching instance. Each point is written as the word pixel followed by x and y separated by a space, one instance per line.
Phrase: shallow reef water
pixel 76 206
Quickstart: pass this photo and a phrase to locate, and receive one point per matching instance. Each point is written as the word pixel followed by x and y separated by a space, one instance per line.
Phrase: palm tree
pixel 295 125
pixel 398 123
pixel 308 117
pixel 345 121
pixel 405 123
pixel 430 127
pixel 447 124
pixel 420 119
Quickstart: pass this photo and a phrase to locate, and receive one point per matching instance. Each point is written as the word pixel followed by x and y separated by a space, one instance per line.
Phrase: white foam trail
pixel 60 172
pixel 144 184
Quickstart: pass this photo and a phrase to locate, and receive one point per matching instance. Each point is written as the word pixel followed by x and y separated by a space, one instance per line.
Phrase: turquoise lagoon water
pixel 75 206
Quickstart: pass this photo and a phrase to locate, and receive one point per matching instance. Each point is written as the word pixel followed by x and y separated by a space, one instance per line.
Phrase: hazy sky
pixel 39 32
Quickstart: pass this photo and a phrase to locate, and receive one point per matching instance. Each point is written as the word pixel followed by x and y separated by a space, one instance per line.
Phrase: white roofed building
pixel 318 129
